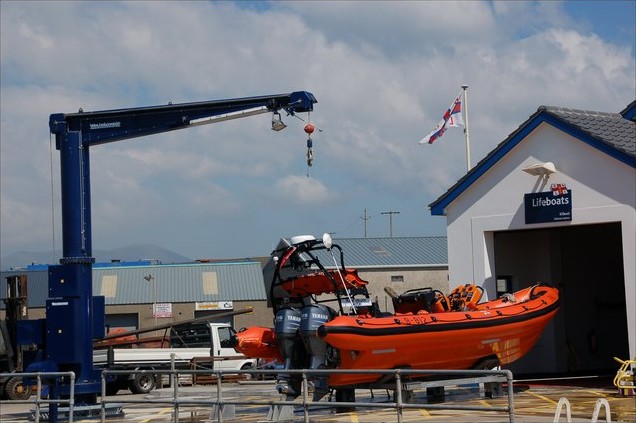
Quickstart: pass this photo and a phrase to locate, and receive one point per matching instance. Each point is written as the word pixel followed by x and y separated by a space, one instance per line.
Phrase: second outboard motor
pixel 286 325
pixel 313 316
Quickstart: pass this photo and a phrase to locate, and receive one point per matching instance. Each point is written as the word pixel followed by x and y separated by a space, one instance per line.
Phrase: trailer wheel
pixel 142 383
pixel 16 390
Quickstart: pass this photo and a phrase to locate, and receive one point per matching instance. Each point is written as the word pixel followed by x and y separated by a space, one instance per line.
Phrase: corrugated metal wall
pixel 242 281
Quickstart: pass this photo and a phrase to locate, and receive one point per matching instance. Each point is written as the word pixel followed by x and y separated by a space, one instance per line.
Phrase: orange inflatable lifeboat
pixel 324 318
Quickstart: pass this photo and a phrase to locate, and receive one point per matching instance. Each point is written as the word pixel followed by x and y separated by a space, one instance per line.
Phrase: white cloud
pixel 383 74
pixel 398 29
pixel 302 191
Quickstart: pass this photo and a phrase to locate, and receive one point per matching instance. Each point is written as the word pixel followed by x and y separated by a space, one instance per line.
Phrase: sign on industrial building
pixel 162 310
pixel 214 305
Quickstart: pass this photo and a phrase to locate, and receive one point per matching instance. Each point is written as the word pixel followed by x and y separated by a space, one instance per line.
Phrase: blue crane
pixel 74 316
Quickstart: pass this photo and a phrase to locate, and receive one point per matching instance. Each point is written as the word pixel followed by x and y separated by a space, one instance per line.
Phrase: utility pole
pixel 365 218
pixel 390 213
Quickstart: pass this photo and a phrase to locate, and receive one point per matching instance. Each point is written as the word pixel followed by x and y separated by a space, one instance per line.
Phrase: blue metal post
pixel 76 213
pixel 72 312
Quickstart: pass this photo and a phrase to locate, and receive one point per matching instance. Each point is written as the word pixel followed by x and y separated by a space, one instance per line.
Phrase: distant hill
pixel 128 253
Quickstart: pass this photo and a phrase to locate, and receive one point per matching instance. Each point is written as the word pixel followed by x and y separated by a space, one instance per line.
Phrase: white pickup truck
pixel 187 343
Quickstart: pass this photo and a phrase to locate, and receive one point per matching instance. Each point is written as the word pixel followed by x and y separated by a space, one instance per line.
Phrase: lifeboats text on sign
pixel 551 206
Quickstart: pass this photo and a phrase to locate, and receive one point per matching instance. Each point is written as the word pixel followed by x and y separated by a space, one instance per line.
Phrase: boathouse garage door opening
pixel 586 263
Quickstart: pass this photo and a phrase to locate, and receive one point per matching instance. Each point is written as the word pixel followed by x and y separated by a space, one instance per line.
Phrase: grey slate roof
pixel 611 133
pixel 389 252
pixel 610 128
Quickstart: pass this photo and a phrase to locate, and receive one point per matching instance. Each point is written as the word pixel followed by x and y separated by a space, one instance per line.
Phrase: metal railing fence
pixel 38 401
pixel 399 405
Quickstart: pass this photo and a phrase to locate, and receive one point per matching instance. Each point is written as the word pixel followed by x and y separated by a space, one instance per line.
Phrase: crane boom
pixel 114 125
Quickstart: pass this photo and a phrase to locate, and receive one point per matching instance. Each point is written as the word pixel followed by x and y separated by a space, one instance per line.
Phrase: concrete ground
pixel 533 402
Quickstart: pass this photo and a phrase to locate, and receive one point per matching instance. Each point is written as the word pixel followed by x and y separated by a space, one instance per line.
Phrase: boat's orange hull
pixel 505 328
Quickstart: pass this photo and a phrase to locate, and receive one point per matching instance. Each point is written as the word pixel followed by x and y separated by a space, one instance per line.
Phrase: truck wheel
pixel 16 390
pixel 142 383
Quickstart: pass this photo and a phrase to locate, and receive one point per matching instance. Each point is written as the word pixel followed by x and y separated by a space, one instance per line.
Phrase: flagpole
pixel 466 134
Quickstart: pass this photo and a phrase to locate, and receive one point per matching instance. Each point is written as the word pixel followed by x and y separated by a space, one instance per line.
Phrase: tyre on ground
pixel 14 389
pixel 142 383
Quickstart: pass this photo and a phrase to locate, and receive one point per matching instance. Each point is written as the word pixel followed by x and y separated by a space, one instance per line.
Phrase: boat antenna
pixel 328 244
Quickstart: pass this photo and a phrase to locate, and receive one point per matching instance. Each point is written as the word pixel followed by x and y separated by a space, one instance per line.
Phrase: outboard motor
pixel 286 325
pixel 313 316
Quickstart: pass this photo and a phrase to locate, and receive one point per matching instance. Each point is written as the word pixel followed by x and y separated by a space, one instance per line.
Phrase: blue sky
pixel 383 74
pixel 612 20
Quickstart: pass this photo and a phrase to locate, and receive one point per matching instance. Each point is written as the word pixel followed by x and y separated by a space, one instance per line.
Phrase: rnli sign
pixel 551 206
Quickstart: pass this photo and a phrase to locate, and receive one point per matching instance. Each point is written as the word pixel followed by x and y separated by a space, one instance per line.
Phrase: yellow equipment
pixel 624 379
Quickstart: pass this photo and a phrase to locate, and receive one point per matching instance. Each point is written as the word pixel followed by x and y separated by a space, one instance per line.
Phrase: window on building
pixel 397 278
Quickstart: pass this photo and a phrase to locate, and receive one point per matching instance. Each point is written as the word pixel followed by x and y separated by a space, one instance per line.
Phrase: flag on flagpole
pixel 452 117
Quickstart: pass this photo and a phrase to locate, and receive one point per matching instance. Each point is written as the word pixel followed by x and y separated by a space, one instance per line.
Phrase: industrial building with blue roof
pixel 188 290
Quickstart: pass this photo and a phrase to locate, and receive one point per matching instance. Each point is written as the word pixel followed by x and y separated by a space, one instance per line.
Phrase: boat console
pixel 420 299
